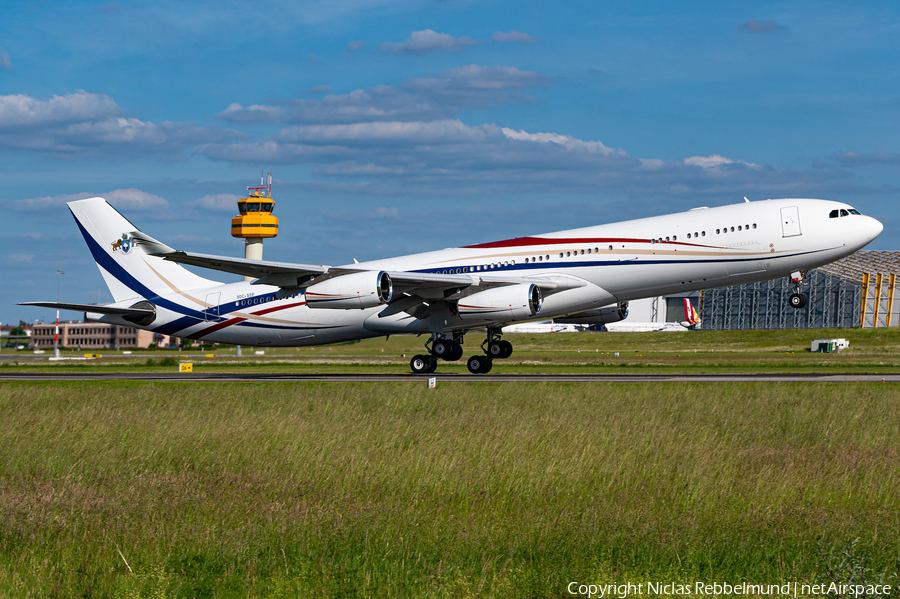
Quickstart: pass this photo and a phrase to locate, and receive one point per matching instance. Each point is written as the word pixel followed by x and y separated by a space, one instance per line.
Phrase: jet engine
pixel 513 302
pixel 605 315
pixel 355 291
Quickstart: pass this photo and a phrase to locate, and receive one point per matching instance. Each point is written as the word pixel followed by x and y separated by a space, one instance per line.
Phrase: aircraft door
pixel 790 221
pixel 212 306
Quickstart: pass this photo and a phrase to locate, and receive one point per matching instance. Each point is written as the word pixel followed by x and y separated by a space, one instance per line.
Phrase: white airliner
pixel 578 276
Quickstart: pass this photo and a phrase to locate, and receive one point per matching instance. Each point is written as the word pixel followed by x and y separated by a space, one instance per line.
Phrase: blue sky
pixel 401 126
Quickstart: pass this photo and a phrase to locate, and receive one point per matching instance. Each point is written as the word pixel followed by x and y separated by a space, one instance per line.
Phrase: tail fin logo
pixel 123 245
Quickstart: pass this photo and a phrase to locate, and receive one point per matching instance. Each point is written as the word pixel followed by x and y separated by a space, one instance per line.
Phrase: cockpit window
pixel 844 212
pixel 833 214
pixel 856 212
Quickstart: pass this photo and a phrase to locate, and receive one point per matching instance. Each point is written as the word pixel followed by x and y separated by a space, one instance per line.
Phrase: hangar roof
pixel 855 265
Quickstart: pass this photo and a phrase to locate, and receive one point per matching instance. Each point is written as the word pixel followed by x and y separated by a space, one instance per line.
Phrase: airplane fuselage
pixel 598 266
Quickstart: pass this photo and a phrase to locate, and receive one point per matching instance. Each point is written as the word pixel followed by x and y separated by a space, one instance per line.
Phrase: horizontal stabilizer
pixel 115 310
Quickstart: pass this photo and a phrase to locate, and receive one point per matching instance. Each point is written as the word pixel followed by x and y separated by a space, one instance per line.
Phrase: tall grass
pixel 393 490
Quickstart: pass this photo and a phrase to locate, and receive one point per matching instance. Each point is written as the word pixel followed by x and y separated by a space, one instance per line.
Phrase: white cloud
pixel 516 37
pixel 425 41
pixel 569 142
pixel 447 157
pixel 220 202
pixel 444 149
pixel 420 98
pixel 387 212
pixel 135 199
pixel 861 159
pixel 355 45
pixel 19 259
pixel 21 110
pixel 84 123
pixel 126 199
pixel 446 131
pixel 714 161
pixel 5 62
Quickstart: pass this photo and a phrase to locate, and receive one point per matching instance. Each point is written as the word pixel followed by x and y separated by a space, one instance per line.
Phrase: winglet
pixel 151 246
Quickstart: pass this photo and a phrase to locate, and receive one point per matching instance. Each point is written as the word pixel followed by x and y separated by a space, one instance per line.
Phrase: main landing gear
pixel 797 300
pixel 438 347
pixel 494 348
pixel 442 348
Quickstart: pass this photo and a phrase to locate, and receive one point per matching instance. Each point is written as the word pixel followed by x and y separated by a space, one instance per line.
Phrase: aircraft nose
pixel 873 228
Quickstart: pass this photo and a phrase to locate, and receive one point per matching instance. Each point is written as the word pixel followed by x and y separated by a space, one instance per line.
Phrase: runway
pixel 449 378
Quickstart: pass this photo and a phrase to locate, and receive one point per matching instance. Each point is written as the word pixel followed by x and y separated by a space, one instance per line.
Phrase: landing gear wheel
pixel 446 349
pixel 479 364
pixel 432 365
pixel 421 364
pixel 495 349
pixel 507 349
pixel 797 300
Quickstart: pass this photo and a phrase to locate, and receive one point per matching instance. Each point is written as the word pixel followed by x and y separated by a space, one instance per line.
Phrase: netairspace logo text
pixel 717 589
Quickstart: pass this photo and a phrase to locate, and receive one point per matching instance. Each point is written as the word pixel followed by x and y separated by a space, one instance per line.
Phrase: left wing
pixel 280 274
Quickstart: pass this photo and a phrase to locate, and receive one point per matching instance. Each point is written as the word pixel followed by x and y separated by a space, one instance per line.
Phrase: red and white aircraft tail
pixel 691 318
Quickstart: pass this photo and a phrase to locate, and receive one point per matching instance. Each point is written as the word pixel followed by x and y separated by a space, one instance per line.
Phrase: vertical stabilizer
pixel 690 314
pixel 127 270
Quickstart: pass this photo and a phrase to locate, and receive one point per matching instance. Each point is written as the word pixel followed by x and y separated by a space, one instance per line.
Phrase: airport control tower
pixel 255 221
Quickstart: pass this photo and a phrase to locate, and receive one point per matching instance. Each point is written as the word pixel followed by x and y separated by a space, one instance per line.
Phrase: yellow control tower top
pixel 255 218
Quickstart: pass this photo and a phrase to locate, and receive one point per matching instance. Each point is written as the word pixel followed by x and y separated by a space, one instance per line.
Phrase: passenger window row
pixel 696 234
pixel 575 252
pixel 595 250
pixel 481 267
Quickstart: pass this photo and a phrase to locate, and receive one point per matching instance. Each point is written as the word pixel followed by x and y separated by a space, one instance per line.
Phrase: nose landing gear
pixel 798 300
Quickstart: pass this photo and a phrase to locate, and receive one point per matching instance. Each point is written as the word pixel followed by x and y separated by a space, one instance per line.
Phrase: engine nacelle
pixel 605 315
pixel 355 291
pixel 513 302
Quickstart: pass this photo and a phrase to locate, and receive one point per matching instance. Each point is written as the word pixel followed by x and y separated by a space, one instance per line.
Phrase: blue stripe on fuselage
pixel 561 263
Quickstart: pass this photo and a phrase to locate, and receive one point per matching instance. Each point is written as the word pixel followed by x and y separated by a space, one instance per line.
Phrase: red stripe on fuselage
pixel 532 241
pixel 215 327
pixel 277 308
pixel 221 325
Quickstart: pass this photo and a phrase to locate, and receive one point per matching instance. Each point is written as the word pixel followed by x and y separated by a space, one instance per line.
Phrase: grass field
pixel 871 351
pixel 394 490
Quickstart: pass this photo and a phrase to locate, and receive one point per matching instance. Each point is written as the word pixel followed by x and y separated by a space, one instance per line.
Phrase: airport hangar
pixel 856 291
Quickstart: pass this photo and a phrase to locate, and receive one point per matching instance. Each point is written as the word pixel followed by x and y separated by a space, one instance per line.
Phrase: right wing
pixel 417 294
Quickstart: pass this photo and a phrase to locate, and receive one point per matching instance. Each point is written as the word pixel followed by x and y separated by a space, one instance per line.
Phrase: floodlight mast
pixel 59 275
